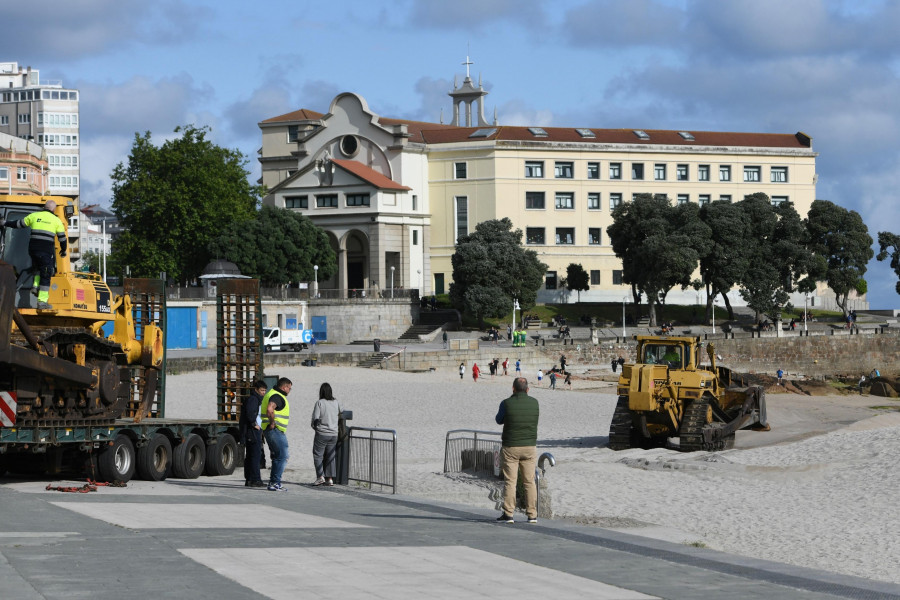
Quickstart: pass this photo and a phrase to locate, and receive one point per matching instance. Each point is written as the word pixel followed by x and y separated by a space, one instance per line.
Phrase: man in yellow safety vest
pixel 275 413
pixel 45 226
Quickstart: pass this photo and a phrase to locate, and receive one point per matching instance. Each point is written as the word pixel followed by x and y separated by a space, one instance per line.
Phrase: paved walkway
pixel 213 538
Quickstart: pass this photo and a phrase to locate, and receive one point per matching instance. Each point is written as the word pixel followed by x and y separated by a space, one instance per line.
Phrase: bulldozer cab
pixel 669 353
pixel 14 243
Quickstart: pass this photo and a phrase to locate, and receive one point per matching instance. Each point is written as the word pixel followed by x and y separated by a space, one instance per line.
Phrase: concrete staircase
pixel 373 360
pixel 428 322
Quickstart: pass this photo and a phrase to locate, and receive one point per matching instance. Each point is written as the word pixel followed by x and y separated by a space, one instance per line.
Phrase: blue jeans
pixel 278 446
pixel 323 454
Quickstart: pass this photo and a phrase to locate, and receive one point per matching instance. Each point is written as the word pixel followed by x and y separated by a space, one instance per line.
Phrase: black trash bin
pixel 377 345
pixel 342 450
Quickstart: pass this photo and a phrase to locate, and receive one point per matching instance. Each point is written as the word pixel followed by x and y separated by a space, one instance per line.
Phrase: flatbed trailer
pixel 143 443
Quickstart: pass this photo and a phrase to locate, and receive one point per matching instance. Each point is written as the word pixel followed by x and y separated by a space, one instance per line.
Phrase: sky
pixel 829 68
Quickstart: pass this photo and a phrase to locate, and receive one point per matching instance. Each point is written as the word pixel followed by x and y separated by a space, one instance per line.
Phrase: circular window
pixel 349 146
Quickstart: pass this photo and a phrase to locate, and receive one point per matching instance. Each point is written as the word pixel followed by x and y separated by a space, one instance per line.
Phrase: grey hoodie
pixel 327 413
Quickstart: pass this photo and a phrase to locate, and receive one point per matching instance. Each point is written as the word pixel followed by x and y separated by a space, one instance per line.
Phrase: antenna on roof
pixel 442 115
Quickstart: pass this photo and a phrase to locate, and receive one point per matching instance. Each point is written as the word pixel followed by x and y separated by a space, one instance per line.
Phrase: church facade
pixel 394 195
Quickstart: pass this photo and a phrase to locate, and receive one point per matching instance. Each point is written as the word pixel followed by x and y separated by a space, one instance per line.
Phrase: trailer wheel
pixel 116 462
pixel 268 348
pixel 190 458
pixel 154 460
pixel 222 457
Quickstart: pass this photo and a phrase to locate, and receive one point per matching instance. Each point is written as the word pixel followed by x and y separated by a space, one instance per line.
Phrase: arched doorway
pixel 357 248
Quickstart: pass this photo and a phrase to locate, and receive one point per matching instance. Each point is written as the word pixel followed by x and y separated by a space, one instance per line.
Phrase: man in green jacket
pixel 519 416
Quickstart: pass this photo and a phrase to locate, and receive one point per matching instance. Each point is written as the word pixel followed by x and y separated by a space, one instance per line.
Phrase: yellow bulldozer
pixel 668 397
pixel 57 363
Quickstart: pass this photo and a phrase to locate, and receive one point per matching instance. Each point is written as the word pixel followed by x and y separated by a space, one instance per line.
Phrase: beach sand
pixel 818 490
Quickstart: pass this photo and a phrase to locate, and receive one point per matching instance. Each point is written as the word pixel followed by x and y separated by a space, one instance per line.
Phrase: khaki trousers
pixel 519 460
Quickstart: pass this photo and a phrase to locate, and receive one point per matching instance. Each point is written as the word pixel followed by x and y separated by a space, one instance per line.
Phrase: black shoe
pixel 257 484
pixel 504 518
pixel 532 519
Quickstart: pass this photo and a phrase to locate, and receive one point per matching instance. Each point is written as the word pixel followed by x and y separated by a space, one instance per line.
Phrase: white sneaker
pixel 319 481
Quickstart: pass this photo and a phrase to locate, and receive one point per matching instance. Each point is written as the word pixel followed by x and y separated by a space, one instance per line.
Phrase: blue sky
pixel 830 68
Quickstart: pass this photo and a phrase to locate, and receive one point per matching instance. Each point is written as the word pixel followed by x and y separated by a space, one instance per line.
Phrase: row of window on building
pixel 22 173
pixel 534 169
pixel 45 119
pixel 327 201
pixel 62 160
pixel 57 139
pixel 63 181
pixel 565 236
pixel 552 278
pixel 29 95
pixel 566 200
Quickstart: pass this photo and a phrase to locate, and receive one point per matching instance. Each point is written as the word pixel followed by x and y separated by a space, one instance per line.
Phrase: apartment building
pixel 45 113
pixel 23 167
pixel 395 195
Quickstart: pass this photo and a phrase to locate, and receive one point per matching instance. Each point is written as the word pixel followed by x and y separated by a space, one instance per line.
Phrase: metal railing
pixel 373 295
pixel 472 450
pixel 373 460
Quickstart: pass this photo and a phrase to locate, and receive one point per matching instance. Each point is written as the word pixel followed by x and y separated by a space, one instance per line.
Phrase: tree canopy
pixel 278 247
pixel 660 245
pixel 491 269
pixel 725 260
pixel 889 245
pixel 577 279
pixel 173 200
pixel 779 261
pixel 840 237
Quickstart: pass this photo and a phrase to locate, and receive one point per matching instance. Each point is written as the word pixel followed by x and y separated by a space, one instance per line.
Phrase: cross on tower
pixel 467 63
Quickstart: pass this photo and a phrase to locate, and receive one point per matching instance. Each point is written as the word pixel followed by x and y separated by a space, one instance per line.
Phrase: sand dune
pixel 819 490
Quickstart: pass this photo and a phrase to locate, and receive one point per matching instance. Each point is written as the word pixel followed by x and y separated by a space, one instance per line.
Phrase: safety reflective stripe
pixel 282 417
pixel 8 403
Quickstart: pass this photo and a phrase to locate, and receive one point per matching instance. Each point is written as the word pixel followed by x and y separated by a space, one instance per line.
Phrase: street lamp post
pixel 316 288
pixel 105 251
pixel 805 317
pixel 392 283
pixel 624 299
pixel 714 314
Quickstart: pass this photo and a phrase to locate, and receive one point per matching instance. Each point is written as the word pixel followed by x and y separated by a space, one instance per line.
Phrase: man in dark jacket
pixel 519 416
pixel 251 434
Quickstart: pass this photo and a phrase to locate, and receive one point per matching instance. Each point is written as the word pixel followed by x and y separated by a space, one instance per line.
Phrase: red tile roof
pixel 439 133
pixel 369 175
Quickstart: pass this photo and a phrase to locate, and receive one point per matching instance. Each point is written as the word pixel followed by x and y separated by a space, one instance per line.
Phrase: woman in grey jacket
pixel 325 423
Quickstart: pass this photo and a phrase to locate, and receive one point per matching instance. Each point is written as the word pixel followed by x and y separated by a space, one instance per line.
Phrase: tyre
pixel 268 348
pixel 154 459
pixel 222 457
pixel 189 458
pixel 117 462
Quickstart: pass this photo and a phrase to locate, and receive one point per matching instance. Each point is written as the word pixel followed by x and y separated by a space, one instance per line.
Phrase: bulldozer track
pixel 695 421
pixel 620 435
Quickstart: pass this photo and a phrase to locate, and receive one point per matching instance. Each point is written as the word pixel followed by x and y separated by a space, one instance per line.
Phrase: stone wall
pixel 814 356
pixel 346 320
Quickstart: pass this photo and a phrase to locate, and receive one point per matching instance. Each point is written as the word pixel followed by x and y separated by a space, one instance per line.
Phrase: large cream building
pixel 395 193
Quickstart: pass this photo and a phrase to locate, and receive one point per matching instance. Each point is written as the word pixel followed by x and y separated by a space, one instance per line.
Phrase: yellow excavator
pixel 58 365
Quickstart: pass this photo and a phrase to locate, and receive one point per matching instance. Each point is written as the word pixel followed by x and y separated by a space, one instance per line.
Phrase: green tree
pixel 491 269
pixel 725 260
pixel 577 279
pixel 659 246
pixel 779 261
pixel 890 246
pixel 174 199
pixel 278 247
pixel 90 260
pixel 841 238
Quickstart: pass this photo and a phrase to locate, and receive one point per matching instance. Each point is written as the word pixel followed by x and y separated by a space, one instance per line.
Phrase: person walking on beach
pixel 506 366
pixel 475 371
pixel 518 367
pixel 462 370
pixel 780 375
pixel 275 415
pixel 519 415
pixel 540 377
pixel 444 338
pixel 552 380
pixel 251 434
pixel 569 381
pixel 324 422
